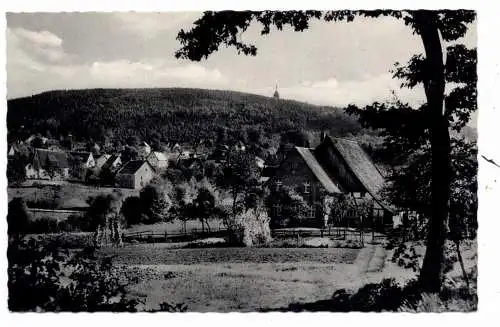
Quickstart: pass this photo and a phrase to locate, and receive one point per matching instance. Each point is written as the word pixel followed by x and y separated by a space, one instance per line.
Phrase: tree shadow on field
pixel 378 297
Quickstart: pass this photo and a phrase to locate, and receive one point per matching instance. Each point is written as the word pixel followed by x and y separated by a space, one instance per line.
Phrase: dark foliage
pixel 37 270
pixel 374 297
pixel 16 173
pixel 18 218
pixel 120 116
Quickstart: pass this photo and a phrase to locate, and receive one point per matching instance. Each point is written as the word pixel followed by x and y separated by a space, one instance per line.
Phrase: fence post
pixel 165 235
pixel 298 236
pixel 321 233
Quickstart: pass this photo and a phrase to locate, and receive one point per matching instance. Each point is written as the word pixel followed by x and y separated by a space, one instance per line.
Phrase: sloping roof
pixel 111 160
pixel 132 166
pixel 361 165
pixel 160 156
pixel 317 170
pixel 101 160
pixel 80 156
pixel 56 159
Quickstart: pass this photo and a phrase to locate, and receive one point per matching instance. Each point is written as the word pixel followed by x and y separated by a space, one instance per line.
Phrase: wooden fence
pixel 158 236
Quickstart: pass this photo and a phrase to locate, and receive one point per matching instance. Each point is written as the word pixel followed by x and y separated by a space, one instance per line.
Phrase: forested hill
pixel 167 115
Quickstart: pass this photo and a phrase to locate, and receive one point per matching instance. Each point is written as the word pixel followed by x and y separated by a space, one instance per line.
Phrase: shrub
pixel 78 223
pixel 18 217
pixel 435 303
pixel 250 228
pixel 406 257
pixel 384 296
pixel 44 225
pixel 90 283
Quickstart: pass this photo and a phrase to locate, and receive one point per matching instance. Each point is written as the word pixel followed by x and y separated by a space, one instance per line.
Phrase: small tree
pixel 129 153
pixel 206 204
pixel 17 218
pixel 104 215
pixel 53 170
pixel 294 209
pixel 155 202
pixel 16 173
pixel 250 227
pixel 132 210
pixel 239 176
pixel 183 197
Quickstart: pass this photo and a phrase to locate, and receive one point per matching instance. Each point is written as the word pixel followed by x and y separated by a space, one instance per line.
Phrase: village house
pixel 158 160
pixel 113 163
pixel 46 164
pixel 135 174
pixel 336 166
pixel 101 160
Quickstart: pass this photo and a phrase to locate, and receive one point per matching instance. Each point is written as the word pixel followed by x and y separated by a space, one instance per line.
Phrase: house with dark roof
pixel 158 160
pixel 112 163
pixel 101 160
pixel 336 166
pixel 47 164
pixel 135 174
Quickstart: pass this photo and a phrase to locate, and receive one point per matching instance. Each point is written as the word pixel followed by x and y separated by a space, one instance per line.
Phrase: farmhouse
pixel 48 164
pixel 158 160
pixel 334 167
pixel 101 160
pixel 135 174
pixel 112 163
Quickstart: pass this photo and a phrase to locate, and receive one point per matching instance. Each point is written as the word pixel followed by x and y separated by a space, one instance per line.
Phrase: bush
pixel 435 303
pixel 44 225
pixel 90 283
pixel 250 228
pixel 406 257
pixel 78 223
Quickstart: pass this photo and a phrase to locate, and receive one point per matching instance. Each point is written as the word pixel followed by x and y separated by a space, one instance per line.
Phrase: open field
pixel 148 254
pixel 241 279
pixel 70 195
pixel 253 279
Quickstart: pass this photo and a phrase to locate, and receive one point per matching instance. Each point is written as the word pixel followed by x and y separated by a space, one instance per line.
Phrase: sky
pixel 328 64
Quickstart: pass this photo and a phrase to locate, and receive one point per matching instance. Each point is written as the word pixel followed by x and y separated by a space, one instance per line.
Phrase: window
pixel 311 213
pixel 277 185
pixel 307 188
pixel 277 210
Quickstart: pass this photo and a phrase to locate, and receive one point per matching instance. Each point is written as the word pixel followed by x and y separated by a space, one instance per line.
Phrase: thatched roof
pixel 361 165
pixel 317 170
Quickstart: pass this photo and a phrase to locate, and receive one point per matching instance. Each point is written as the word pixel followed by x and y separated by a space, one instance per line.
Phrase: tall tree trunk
pixel 461 261
pixel 434 85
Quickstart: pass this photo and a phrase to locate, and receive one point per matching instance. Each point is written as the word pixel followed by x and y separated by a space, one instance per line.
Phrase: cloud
pixel 36 62
pixel 149 25
pixel 43 38
pixel 361 92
